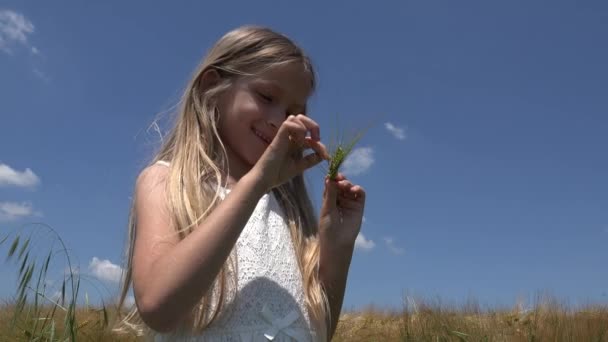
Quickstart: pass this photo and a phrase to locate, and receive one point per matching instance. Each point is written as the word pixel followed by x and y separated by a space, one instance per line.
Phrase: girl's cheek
pixel 254 106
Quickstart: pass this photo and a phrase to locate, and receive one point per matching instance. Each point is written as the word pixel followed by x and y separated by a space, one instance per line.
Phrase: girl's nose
pixel 276 118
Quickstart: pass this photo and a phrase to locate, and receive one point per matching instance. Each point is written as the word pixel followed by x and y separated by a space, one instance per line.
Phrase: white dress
pixel 270 303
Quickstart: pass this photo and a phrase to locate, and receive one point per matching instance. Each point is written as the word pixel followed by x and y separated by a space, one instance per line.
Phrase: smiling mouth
pixel 261 136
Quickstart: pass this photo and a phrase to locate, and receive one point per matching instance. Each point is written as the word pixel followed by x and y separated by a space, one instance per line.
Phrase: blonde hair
pixel 198 156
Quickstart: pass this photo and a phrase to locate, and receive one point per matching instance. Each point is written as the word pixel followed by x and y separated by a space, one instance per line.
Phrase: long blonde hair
pixel 198 156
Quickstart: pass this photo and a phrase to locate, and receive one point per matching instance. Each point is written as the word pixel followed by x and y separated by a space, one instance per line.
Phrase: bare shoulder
pixel 151 178
pixel 154 228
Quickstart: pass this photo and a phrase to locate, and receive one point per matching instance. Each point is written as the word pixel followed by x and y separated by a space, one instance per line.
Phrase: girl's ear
pixel 210 78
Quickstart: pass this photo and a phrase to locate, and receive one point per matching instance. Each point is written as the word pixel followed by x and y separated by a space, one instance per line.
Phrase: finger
pixel 307 162
pixel 331 191
pixel 349 204
pixel 344 191
pixel 359 193
pixel 345 184
pixel 297 133
pixel 311 125
pixel 353 194
pixel 318 147
pixel 340 176
pixel 292 131
pixel 350 194
pixel 350 191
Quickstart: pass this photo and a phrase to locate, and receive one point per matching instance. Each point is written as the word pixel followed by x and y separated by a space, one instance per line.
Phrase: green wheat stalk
pixel 338 155
pixel 340 150
pixel 27 317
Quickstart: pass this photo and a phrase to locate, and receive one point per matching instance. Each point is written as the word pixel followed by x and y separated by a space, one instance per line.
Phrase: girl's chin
pixel 253 157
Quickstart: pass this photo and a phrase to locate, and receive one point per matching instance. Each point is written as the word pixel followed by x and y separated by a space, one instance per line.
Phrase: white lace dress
pixel 270 302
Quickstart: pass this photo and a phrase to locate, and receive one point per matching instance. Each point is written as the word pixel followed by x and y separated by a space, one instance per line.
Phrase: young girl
pixel 224 244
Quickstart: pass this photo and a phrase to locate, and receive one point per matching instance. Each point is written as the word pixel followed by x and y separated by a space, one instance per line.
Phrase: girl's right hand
pixel 282 159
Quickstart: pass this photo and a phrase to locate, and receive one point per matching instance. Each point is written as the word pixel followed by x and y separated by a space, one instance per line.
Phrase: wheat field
pixel 35 315
pixel 548 321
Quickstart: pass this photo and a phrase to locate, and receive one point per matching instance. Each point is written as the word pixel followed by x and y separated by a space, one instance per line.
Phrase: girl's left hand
pixel 341 213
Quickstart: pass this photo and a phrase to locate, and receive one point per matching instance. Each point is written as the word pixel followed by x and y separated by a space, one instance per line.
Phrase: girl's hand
pixel 282 161
pixel 341 213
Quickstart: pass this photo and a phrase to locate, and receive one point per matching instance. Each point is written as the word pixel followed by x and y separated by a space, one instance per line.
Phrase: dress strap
pixel 162 162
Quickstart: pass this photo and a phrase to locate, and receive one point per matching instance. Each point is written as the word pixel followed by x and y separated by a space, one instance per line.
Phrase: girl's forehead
pixel 288 70
pixel 290 78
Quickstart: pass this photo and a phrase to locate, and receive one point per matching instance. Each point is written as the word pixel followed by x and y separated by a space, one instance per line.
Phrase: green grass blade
pixel 23 263
pixel 25 280
pixel 27 334
pixel 4 239
pixel 71 321
pixel 44 322
pixel 24 247
pixel 37 309
pixel 18 309
pixel 461 336
pixel 35 327
pixel 105 315
pixel 52 337
pixel 63 293
pixel 47 261
pixel 52 316
pixel 13 248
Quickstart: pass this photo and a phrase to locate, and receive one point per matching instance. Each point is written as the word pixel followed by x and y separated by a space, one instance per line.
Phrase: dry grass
pixel 91 325
pixel 548 321
pixel 33 315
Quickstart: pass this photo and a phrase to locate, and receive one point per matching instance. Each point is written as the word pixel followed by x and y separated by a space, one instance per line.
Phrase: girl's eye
pixel 265 97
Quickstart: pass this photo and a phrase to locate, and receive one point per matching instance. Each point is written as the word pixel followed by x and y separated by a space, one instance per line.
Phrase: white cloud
pixel 11 211
pixel 41 74
pixel 105 270
pixel 8 176
pixel 14 30
pixel 364 244
pixel 358 161
pixel 397 132
pixel 391 246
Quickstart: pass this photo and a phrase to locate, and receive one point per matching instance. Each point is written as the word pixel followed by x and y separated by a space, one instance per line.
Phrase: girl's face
pixel 255 107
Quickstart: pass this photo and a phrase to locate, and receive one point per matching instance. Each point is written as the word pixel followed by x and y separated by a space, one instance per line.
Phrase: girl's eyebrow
pixel 272 84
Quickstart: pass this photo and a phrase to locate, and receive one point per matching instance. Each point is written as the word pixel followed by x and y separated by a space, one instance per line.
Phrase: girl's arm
pixel 333 273
pixel 171 276
pixel 339 225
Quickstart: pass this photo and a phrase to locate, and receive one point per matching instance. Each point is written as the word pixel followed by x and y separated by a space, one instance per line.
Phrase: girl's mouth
pixel 261 136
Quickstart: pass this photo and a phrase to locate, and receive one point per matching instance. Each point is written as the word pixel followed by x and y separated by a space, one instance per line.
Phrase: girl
pixel 223 241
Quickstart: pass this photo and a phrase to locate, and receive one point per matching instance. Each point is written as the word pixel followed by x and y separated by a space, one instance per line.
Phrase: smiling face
pixel 253 109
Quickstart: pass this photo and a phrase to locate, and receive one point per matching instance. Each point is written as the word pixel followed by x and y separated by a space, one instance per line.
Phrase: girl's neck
pixel 237 168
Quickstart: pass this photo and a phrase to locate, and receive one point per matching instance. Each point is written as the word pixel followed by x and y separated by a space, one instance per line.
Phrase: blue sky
pixel 485 167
